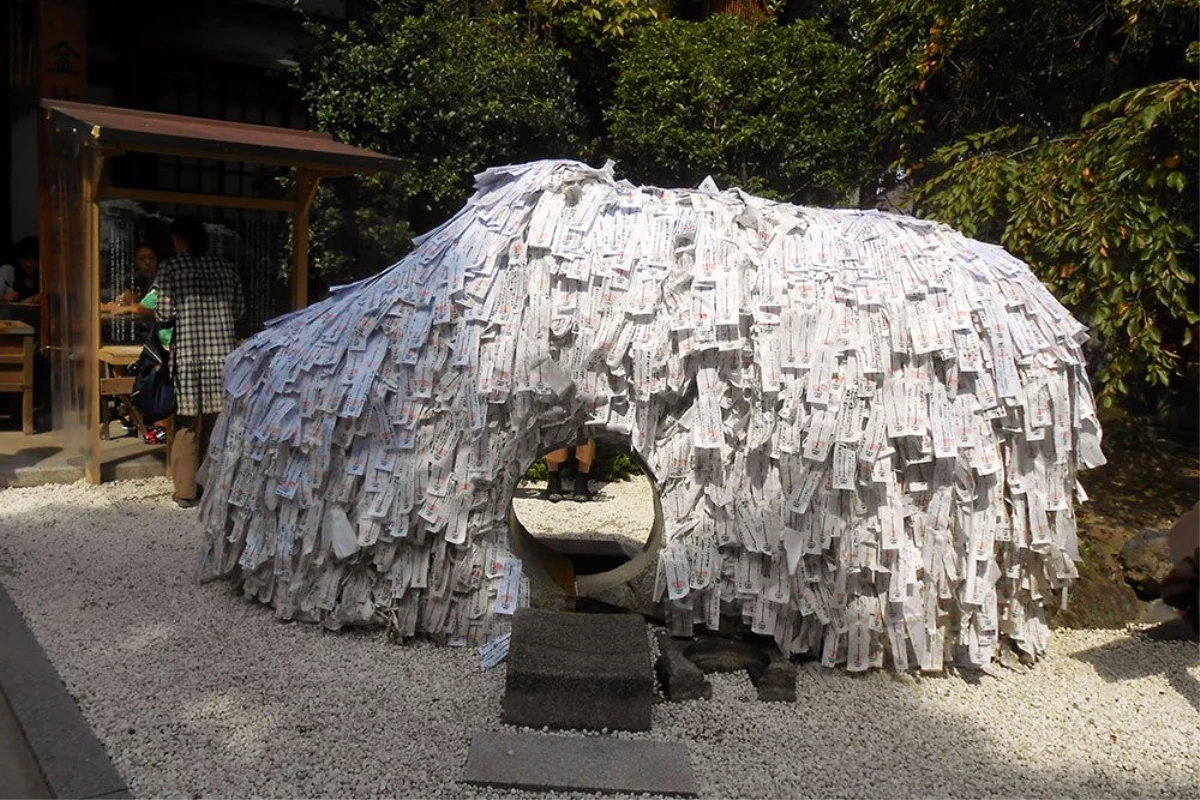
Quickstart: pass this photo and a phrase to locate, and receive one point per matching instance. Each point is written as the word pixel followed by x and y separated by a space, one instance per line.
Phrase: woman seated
pixel 22 282
pixel 133 301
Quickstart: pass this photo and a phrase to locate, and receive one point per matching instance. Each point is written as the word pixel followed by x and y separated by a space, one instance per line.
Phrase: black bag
pixel 153 391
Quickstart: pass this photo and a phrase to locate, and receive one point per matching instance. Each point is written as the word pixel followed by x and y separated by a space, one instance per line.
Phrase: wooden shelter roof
pixel 122 129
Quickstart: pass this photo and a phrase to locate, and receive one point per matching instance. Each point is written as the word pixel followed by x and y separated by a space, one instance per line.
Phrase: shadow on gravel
pixel 193 691
pixel 1121 661
pixel 534 492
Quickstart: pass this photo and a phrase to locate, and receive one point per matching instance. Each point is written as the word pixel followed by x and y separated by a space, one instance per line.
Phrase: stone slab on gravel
pixel 682 665
pixel 19 773
pixel 681 680
pixel 71 758
pixel 589 671
pixel 579 763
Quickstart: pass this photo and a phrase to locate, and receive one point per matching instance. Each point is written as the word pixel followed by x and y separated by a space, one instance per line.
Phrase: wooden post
pixel 27 392
pixel 92 166
pixel 48 335
pixel 306 190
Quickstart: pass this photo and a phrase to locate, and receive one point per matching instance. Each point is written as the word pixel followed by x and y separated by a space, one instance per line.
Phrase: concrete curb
pixel 145 465
pixel 71 758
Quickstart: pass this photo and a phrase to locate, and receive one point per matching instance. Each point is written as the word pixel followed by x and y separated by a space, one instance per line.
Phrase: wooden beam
pixel 110 386
pixel 193 199
pixel 306 189
pixel 329 170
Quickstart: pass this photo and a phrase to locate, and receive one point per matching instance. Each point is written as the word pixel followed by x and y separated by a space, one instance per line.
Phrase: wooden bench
pixel 16 366
pixel 116 386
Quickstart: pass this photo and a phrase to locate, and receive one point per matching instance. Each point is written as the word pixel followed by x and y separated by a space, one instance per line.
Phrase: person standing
pixel 200 296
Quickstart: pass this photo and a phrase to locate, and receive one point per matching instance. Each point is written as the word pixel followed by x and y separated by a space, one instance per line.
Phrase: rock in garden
pixel 1184 536
pixel 1181 589
pixel 681 667
pixel 1146 559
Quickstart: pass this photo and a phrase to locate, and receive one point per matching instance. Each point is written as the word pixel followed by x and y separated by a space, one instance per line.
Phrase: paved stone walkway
pixel 19 773
pixel 48 749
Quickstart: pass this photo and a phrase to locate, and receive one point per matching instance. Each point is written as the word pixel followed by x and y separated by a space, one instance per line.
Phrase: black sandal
pixel 553 492
pixel 583 492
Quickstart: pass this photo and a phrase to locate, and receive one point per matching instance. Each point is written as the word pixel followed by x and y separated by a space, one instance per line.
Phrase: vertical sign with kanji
pixel 62 46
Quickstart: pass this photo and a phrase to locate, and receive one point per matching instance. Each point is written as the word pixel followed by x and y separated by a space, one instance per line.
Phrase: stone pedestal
pixel 578 671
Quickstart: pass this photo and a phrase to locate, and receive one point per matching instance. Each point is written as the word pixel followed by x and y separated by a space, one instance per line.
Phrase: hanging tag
pixel 508 594
pixel 675 567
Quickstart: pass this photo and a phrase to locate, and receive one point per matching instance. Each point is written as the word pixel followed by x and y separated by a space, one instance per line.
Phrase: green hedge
pixel 611 464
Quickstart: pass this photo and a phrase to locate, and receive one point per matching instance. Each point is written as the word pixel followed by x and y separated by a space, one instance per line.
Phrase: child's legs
pixel 555 459
pixel 585 454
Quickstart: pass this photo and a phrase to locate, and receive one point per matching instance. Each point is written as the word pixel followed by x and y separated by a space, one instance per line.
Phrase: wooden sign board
pixel 62 48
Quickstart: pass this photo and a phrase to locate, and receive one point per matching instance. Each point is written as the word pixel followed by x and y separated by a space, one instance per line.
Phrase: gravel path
pixel 622 511
pixel 196 692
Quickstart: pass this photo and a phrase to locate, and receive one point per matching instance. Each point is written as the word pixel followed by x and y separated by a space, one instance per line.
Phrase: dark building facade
pixel 222 59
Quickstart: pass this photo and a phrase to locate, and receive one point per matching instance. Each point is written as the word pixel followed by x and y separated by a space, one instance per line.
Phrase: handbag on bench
pixel 153 390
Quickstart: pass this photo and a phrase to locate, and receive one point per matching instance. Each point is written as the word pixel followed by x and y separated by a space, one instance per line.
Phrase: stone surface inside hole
pixel 726 655
pixel 596 536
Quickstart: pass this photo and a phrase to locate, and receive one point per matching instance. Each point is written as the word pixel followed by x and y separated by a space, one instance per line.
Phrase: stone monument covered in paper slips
pixel 864 428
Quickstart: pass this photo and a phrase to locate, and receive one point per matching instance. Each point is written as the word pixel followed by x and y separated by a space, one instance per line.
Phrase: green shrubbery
pixel 1062 129
pixel 774 109
pixel 450 95
pixel 611 464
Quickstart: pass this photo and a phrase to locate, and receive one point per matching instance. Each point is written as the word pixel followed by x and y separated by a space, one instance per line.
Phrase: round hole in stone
pixel 587 548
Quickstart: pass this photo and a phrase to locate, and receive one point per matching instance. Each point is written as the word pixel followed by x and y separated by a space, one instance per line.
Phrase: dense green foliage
pixel 1066 131
pixel 1106 216
pixel 1063 129
pixel 449 94
pixel 939 75
pixel 359 226
pixel 596 21
pixel 771 108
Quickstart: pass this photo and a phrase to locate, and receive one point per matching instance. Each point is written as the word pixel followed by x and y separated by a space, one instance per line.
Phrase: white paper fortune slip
pixel 493 652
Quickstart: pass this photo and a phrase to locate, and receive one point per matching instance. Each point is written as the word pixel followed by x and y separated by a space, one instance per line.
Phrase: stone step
pixel 578 671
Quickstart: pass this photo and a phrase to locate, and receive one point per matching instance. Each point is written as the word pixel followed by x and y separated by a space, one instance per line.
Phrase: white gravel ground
pixel 196 692
pixel 622 511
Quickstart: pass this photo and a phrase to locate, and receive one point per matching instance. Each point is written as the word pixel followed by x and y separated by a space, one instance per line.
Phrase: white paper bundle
pixel 864 428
